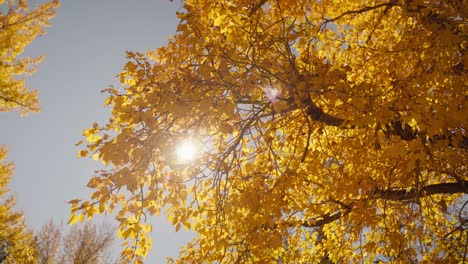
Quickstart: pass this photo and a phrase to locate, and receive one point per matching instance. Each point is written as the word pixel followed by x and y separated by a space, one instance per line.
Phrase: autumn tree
pixel 327 131
pixel 16 242
pixel 19 26
pixel 87 243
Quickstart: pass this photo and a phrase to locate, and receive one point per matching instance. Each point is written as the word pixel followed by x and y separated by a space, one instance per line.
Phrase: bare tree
pixel 86 243
pixel 48 243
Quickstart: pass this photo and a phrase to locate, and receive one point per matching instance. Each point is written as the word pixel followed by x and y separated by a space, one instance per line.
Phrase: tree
pixel 88 243
pixel 16 242
pixel 48 243
pixel 19 26
pixel 328 131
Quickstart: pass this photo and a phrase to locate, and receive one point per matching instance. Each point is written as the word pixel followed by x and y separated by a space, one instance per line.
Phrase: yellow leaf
pixel 83 153
pixel 92 138
pixel 96 156
pixel 276 240
pixel 75 218
pixel 218 20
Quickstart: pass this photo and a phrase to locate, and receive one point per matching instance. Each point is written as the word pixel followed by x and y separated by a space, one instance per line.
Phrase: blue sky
pixel 84 51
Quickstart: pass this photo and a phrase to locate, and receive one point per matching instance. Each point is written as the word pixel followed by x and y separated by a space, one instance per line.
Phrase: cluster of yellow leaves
pixel 362 155
pixel 14 237
pixel 19 26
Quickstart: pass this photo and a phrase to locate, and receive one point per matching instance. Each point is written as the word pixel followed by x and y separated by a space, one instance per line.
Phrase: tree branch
pixel 362 10
pixel 257 7
pixel 326 219
pixel 317 114
pixel 440 188
pixel 395 128
pixel 19 103
pixel 393 195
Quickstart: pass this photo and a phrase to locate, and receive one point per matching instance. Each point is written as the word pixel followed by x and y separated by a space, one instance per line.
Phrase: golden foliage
pixel 15 239
pixel 19 26
pixel 331 131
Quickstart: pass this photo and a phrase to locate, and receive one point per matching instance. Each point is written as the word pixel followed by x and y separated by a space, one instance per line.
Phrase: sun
pixel 186 151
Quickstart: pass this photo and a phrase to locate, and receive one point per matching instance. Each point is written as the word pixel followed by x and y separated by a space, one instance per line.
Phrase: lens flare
pixel 186 151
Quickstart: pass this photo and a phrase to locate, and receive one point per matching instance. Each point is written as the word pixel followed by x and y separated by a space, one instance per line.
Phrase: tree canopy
pixel 19 26
pixel 326 131
pixel 16 242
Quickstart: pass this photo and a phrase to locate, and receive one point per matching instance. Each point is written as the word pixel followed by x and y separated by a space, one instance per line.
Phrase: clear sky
pixel 84 51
